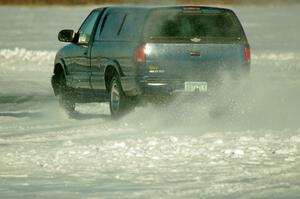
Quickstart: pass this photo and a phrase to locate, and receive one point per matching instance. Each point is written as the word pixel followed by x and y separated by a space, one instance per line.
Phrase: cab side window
pixel 86 29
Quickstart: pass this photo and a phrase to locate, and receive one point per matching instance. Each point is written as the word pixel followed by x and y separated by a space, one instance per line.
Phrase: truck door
pixel 106 47
pixel 79 63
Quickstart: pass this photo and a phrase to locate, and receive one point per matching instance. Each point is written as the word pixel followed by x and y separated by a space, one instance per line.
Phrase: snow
pixel 177 151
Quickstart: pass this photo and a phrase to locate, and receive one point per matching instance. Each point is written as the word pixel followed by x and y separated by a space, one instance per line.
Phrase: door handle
pixel 85 53
pixel 195 54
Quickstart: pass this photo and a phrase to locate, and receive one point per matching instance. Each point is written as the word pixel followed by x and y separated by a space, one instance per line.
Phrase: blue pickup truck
pixel 122 54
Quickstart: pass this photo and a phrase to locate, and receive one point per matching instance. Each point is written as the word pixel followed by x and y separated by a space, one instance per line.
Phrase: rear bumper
pixel 169 86
pixel 152 86
pixel 165 87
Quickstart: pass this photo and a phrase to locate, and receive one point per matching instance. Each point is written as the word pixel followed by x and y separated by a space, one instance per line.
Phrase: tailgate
pixel 199 62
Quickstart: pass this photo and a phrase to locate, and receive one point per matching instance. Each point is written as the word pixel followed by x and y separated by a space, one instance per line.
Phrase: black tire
pixel 119 103
pixel 65 95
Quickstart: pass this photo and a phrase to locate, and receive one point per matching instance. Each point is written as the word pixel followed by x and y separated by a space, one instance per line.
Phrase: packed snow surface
pixel 183 150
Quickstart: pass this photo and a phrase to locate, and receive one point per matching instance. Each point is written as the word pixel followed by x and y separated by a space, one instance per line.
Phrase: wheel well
pixel 58 70
pixel 109 74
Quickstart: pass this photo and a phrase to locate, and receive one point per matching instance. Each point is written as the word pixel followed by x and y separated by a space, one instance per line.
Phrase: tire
pixel 119 103
pixel 65 95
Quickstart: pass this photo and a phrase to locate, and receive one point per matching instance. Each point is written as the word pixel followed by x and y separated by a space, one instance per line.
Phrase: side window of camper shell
pixel 111 26
pixel 131 28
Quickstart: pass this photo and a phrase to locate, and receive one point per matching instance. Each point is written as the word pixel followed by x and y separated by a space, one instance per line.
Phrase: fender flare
pixel 117 68
pixel 62 64
pixel 59 66
pixel 114 64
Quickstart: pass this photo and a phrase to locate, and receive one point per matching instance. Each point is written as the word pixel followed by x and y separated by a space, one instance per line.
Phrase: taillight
pixel 140 55
pixel 247 55
pixel 191 8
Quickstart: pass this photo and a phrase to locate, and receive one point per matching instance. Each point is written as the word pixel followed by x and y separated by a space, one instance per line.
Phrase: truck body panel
pixel 154 50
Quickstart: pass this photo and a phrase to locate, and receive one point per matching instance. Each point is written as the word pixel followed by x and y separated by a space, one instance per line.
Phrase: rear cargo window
pixel 180 25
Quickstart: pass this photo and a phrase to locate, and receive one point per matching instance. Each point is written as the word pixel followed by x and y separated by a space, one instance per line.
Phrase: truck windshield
pixel 181 25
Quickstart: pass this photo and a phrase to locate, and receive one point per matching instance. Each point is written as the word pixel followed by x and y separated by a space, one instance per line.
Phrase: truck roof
pixel 151 8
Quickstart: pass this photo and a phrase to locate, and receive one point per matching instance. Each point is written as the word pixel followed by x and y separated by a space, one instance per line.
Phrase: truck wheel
pixel 65 100
pixel 118 102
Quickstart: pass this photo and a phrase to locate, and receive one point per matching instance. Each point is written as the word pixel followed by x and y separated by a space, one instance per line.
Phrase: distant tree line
pixel 92 2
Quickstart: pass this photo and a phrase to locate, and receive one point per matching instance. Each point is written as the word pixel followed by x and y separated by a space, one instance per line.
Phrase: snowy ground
pixel 253 151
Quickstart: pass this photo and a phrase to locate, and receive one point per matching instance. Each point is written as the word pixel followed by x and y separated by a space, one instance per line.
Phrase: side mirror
pixel 66 36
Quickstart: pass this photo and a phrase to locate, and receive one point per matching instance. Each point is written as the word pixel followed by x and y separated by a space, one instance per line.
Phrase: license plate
pixel 195 86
